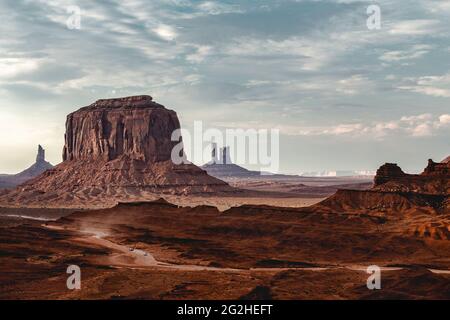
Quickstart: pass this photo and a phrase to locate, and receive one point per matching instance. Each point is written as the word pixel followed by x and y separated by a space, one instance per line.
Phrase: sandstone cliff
pixel 424 198
pixel 135 127
pixel 435 179
pixel 116 150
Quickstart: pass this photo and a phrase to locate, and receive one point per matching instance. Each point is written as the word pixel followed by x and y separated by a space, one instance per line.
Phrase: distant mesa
pixel 435 179
pixel 222 167
pixel 39 167
pixel 220 157
pixel 116 150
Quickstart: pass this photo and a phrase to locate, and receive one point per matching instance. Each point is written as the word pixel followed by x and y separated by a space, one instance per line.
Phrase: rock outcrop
pixel 435 179
pixel 387 172
pixel 222 167
pixel 116 150
pixel 133 127
pixel 40 166
pixel 437 169
pixel 40 158
pixel 423 199
pixel 397 193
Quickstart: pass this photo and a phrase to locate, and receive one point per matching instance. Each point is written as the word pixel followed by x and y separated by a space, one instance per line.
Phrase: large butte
pixel 116 150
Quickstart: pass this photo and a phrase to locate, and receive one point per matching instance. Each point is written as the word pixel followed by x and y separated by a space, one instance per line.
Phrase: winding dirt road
pixel 126 257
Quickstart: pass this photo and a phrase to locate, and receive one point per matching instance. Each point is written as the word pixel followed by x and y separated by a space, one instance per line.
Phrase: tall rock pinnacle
pixel 40 155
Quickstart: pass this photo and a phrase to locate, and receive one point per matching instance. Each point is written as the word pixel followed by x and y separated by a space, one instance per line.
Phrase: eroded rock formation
pixel 40 166
pixel 40 158
pixel 133 127
pixel 116 150
pixel 423 198
pixel 435 179
pixel 387 172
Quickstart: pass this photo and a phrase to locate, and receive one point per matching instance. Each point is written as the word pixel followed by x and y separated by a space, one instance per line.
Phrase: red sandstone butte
pixel 115 150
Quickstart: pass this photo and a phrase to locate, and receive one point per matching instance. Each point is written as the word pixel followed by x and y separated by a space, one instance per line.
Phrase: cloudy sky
pixel 342 95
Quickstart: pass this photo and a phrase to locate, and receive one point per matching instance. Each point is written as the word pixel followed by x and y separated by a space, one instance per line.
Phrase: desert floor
pixel 161 251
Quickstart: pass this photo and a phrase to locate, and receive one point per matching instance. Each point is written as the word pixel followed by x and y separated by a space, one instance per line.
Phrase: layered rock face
pixel 435 179
pixel 116 150
pixel 425 198
pixel 437 169
pixel 388 172
pixel 134 127
pixel 397 192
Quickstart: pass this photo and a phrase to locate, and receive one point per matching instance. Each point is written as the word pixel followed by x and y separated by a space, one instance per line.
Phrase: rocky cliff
pixel 435 179
pixel 423 198
pixel 397 192
pixel 116 150
pixel 387 172
pixel 132 127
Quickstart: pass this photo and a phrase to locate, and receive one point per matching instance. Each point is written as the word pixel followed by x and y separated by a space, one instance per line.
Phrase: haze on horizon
pixel 344 97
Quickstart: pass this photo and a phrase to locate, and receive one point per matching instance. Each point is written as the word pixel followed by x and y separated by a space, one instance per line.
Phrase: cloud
pixel 437 6
pixel 216 8
pixel 201 52
pixel 356 84
pixel 309 55
pixel 414 52
pixel 416 125
pixel 166 32
pixel 416 118
pixel 327 86
pixel 444 119
pixel 414 27
pixel 12 67
pixel 436 86
pixel 422 130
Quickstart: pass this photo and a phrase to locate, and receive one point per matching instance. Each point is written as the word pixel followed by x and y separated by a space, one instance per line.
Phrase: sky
pixel 344 96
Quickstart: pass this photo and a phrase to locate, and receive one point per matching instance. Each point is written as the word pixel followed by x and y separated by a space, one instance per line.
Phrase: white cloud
pixel 444 119
pixel 437 6
pixel 11 67
pixel 310 54
pixel 354 85
pixel 417 126
pixel 422 130
pixel 437 86
pixel 414 52
pixel 418 118
pixel 216 8
pixel 166 32
pixel 414 27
